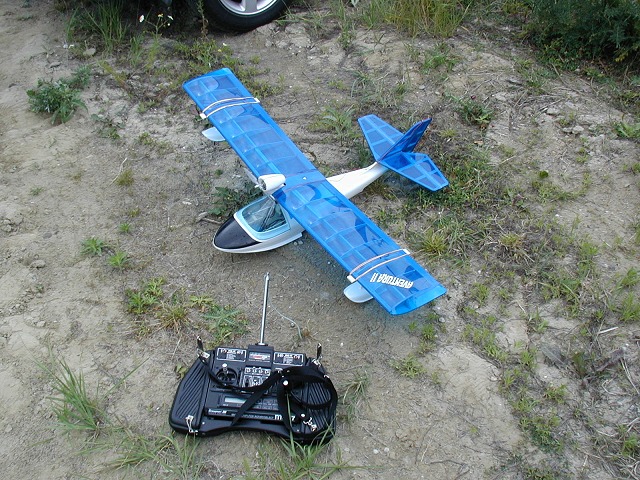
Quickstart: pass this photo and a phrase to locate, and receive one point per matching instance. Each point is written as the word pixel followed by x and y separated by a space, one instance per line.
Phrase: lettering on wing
pixel 390 280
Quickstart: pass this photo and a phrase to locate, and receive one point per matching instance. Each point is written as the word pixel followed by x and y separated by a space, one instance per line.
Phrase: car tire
pixel 243 15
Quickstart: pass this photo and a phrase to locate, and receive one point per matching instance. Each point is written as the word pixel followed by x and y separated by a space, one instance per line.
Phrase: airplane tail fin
pixel 394 150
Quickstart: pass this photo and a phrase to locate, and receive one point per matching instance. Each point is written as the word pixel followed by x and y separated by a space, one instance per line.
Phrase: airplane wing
pixel 370 256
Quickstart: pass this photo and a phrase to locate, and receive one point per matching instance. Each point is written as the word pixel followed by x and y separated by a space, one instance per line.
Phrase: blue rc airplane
pixel 298 197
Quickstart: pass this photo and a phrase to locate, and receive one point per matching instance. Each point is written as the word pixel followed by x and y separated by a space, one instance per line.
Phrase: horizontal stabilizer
pixel 417 167
pixel 395 151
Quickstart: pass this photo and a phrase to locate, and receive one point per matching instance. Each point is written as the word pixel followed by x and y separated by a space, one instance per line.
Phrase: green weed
pixel 125 178
pixel 439 57
pixel 628 280
pixel 339 122
pixel 106 20
pixel 409 366
pixel 119 260
pixel 629 309
pixel 474 112
pixel 108 127
pixel 290 460
pixel 59 98
pixel 484 336
pixel 627 130
pixel 228 200
pixel 542 429
pixel 556 394
pixel 94 246
pixel 133 449
pixel 141 301
pixel 417 16
pixel 173 315
pixel 224 323
pixel 353 394
pixel 74 408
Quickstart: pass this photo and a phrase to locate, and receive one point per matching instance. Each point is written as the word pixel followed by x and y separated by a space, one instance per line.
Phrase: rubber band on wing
pixel 352 279
pixel 249 101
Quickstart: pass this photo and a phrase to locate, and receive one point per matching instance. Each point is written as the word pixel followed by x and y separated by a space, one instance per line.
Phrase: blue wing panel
pixel 370 256
pixel 248 128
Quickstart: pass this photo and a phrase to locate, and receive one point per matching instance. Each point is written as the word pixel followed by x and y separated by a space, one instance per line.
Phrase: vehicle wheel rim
pixel 247 7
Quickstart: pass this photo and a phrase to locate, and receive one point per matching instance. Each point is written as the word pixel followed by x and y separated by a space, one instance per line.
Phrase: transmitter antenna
pixel 264 308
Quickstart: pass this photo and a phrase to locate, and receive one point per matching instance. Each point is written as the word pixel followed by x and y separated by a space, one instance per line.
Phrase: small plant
pixel 627 130
pixel 409 366
pixel 124 228
pixel 480 293
pixel 141 301
pixel 474 112
pixel 224 323
pixel 433 243
pixel 291 460
pixel 542 430
pixel 173 315
pixel 201 302
pixel 416 16
pixel 228 200
pixel 108 127
pixel 119 260
pixel 35 191
pixel 134 449
pixel 339 122
pixel 73 407
pixel 106 21
pixel 629 309
pixel 556 394
pixel 354 394
pixel 94 246
pixel 629 279
pixel 134 212
pixel 528 358
pixel 630 446
pixel 59 98
pixel 125 178
pixel 439 56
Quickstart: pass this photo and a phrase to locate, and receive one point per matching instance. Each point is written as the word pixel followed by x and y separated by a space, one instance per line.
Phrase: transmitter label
pixel 237 354
pixel 288 358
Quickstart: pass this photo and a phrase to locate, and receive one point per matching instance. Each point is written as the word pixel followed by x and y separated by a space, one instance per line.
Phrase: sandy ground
pixel 58 188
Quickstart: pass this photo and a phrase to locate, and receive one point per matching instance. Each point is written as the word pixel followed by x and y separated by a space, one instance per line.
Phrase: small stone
pixel 38 264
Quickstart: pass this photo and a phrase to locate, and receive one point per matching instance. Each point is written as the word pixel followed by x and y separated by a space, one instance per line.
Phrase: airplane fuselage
pixel 263 225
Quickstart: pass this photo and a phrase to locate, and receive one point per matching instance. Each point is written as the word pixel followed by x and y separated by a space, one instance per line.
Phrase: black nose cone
pixel 231 236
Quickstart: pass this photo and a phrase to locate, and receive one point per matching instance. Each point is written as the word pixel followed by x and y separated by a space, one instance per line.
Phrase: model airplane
pixel 298 197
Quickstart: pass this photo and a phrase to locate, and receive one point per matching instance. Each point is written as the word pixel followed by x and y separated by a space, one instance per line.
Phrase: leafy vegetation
pixel 60 98
pixel 594 29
